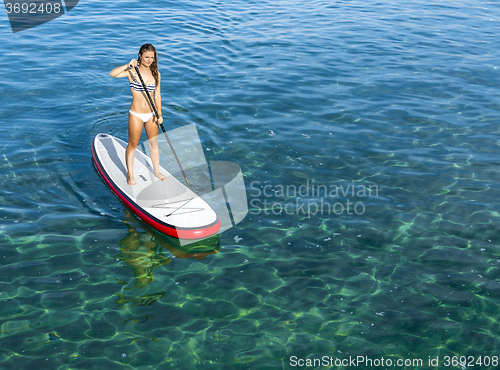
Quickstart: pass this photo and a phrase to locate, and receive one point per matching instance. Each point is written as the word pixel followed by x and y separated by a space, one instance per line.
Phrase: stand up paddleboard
pixel 168 206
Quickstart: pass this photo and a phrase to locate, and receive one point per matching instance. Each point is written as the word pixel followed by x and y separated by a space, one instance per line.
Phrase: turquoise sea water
pixel 368 135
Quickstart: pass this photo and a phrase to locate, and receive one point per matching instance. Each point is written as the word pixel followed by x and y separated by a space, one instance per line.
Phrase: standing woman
pixel 141 111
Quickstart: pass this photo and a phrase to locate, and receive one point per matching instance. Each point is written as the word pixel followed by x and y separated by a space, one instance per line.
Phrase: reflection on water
pixel 142 252
pixel 142 255
pixel 145 300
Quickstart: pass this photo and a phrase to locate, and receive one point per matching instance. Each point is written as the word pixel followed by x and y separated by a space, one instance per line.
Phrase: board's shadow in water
pixel 144 251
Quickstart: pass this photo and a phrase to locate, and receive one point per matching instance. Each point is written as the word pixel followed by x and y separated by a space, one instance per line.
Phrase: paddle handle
pixel 161 124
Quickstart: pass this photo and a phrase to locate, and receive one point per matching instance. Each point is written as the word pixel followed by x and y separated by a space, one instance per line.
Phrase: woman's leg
pixel 152 133
pixel 134 135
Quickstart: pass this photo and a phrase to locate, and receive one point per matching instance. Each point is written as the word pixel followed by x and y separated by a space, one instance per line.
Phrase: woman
pixel 140 112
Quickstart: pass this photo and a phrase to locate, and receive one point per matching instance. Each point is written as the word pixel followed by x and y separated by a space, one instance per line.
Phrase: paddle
pixel 161 124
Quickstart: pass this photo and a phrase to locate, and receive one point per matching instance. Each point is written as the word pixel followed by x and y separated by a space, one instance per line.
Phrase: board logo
pixel 26 14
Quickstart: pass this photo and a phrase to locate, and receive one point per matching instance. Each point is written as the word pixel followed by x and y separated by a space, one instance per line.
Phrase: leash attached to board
pixel 161 124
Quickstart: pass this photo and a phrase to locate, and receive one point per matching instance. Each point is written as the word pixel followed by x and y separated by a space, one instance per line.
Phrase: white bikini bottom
pixel 143 116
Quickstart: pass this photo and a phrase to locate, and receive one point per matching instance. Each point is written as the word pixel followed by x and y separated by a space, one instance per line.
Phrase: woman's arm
pixel 122 71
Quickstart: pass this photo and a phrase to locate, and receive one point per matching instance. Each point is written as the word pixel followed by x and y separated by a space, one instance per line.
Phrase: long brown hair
pixel 154 66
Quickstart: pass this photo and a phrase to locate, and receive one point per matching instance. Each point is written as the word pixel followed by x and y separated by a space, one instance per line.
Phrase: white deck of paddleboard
pixel 168 201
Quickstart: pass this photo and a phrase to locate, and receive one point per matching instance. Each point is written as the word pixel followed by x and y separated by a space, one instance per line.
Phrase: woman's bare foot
pixel 161 176
pixel 131 180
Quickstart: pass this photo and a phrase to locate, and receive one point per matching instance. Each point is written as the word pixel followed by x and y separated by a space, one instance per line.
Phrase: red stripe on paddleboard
pixel 172 231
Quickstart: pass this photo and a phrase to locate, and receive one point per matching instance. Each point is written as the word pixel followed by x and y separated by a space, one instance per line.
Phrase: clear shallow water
pixel 400 97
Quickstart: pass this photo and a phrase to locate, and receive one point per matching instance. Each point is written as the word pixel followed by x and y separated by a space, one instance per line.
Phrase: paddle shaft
pixel 155 111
